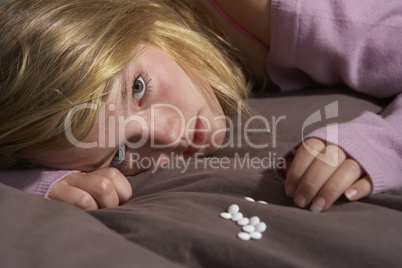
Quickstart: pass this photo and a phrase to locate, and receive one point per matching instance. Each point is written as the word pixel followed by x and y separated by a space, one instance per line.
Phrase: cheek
pixel 175 86
pixel 175 91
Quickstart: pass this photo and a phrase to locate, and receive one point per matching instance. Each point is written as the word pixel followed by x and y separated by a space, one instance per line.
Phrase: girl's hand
pixel 319 175
pixel 102 188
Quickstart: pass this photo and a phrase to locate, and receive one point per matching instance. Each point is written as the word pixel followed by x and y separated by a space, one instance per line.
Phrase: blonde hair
pixel 56 54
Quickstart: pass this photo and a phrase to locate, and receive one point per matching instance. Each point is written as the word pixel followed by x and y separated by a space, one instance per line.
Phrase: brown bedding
pixel 173 218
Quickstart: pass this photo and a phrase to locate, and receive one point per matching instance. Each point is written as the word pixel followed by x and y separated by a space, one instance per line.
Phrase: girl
pixel 115 60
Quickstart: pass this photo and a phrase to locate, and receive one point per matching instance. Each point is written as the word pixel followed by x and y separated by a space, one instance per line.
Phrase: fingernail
pixel 351 193
pixel 318 205
pixel 300 201
pixel 290 190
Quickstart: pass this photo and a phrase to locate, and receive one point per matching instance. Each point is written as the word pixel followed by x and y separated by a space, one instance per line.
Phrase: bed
pixel 174 216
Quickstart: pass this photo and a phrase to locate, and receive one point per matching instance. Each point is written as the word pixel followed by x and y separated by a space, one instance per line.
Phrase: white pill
pixel 262 202
pixel 261 227
pixel 226 216
pixel 249 199
pixel 233 209
pixel 256 235
pixel 243 221
pixel 254 220
pixel 244 236
pixel 248 228
pixel 238 216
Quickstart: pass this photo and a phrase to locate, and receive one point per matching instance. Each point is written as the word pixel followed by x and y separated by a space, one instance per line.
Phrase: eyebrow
pixel 124 96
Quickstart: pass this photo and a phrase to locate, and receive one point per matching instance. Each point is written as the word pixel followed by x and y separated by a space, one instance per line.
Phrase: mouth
pixel 198 138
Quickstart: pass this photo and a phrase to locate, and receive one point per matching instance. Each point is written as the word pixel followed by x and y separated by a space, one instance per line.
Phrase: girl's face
pixel 155 111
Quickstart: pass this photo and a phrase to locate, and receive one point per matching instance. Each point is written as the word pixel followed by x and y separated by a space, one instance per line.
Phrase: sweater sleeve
pixel 35 181
pixel 352 42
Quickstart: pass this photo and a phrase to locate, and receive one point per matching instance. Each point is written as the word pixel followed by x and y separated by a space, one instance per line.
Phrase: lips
pixel 198 138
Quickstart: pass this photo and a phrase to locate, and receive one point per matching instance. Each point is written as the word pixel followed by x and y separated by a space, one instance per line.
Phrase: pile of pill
pixel 251 228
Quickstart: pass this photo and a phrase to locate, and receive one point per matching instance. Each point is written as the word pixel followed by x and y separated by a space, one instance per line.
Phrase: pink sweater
pixel 324 42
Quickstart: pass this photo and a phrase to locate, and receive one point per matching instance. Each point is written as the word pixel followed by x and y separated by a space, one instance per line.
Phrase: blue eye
pixel 139 88
pixel 119 157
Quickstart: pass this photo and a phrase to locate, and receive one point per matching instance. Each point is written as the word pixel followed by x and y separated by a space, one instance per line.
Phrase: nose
pixel 166 132
pixel 160 128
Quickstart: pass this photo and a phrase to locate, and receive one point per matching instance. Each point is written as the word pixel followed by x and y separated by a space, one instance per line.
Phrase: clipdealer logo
pixel 111 128
pixel 237 132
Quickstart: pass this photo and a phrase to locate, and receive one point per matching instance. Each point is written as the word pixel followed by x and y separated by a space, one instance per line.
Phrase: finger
pixel 100 187
pixel 305 155
pixel 344 176
pixel 359 189
pixel 317 175
pixel 120 182
pixel 65 193
pixel 288 160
